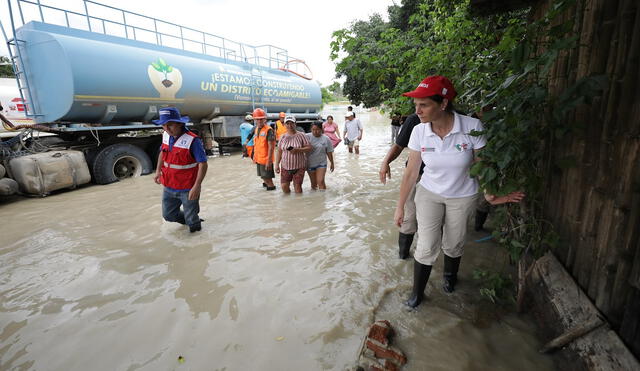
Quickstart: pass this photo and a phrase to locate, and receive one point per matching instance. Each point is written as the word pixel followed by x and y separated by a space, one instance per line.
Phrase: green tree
pixel 6 68
pixel 336 89
pixel 365 77
pixel 399 16
pixel 380 60
pixel 327 96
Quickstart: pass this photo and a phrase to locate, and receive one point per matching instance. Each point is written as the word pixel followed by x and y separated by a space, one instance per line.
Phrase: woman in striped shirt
pixel 291 161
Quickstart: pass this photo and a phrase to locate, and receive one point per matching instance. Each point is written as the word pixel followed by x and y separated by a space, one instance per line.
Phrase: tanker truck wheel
pixel 120 161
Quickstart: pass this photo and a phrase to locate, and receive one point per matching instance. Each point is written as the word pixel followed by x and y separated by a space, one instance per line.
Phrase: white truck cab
pixel 12 105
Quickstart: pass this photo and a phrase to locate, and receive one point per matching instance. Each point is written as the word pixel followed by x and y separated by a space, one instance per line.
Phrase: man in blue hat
pixel 182 165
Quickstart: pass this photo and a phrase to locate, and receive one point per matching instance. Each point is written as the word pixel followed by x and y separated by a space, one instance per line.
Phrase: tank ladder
pixel 17 63
pixel 23 86
pixel 257 100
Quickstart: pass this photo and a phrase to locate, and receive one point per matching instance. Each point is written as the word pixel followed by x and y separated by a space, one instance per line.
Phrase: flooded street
pixel 94 279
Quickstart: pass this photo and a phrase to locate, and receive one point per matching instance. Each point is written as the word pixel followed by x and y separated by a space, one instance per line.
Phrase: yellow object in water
pixel 180 359
pixel 280 338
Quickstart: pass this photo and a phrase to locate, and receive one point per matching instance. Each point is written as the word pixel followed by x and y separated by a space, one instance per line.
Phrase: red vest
pixel 179 168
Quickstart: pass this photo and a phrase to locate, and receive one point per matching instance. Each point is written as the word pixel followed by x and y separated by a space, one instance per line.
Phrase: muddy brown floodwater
pixel 93 279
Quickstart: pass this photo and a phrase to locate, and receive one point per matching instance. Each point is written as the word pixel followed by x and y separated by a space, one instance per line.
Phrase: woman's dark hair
pixel 318 124
pixel 329 116
pixel 440 99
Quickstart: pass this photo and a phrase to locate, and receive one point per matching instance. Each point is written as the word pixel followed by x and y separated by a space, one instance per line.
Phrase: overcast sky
pixel 302 27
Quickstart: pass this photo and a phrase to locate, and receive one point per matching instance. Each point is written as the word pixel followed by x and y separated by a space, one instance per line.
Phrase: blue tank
pixel 81 76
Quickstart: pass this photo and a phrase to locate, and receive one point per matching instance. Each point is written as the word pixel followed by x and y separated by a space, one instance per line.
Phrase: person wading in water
pixel 264 142
pixel 182 165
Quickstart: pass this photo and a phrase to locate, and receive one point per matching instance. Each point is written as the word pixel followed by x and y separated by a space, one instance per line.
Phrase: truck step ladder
pixel 21 78
pixel 257 100
pixel 17 63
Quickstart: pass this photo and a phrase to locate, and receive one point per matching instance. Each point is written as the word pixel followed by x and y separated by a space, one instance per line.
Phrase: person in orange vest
pixel 264 142
pixel 182 165
pixel 280 127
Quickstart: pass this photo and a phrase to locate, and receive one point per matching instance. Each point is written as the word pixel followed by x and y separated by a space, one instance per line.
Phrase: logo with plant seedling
pixel 462 147
pixel 166 79
pixel 161 66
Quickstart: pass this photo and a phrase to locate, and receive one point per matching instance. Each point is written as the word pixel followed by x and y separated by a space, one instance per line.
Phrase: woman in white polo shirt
pixel 446 194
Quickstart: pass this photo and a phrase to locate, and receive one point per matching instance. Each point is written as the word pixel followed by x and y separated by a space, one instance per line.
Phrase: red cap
pixel 433 85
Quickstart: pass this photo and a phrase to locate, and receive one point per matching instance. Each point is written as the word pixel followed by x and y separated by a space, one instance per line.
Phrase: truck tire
pixel 3 171
pixel 153 152
pixel 120 161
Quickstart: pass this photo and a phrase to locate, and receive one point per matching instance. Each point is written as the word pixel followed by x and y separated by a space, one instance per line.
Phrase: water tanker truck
pixel 96 82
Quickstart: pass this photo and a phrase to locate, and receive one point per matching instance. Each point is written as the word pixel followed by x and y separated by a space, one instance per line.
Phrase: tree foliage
pixel 6 69
pixel 336 89
pixel 380 60
pixel 331 93
pixel 364 80
pixel 327 96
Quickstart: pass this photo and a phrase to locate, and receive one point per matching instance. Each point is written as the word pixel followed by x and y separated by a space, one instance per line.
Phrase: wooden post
pixel 522 279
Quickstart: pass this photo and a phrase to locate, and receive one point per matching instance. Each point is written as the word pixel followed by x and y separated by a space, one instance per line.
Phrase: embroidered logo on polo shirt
pixel 462 147
pixel 425 149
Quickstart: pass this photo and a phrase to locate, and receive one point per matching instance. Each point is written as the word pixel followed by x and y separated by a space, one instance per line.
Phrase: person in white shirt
pixel 352 132
pixel 446 194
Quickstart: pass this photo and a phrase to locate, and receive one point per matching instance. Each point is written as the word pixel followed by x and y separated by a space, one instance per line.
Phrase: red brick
pixel 387 353
pixel 380 333
pixel 390 366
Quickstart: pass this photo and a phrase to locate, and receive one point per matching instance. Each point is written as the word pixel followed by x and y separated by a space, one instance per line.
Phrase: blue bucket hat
pixel 169 114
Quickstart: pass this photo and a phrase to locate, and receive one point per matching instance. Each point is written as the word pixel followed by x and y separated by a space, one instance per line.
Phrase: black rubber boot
pixel 421 274
pixel 196 227
pixel 481 217
pixel 450 275
pixel 404 244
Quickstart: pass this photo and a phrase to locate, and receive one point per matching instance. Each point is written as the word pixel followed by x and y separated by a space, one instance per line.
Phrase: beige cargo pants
pixel 442 223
